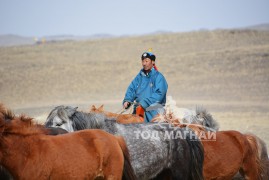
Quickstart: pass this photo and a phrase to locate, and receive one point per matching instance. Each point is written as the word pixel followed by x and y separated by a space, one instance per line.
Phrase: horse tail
pixel 128 171
pixel 5 174
pixel 258 147
pixel 5 113
pixel 208 120
pixel 197 159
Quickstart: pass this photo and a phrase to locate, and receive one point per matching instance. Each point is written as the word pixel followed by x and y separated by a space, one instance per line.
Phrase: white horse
pixel 188 116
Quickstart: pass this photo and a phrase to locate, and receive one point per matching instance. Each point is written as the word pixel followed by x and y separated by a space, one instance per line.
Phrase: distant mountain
pixel 14 40
pixel 101 36
pixel 259 27
pixel 161 32
pixel 75 38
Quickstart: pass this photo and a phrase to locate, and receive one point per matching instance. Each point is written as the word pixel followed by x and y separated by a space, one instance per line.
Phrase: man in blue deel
pixel 148 90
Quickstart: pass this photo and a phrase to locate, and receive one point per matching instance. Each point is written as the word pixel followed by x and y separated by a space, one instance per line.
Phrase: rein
pixel 123 110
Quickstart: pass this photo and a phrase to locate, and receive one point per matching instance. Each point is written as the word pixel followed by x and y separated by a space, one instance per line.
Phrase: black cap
pixel 148 55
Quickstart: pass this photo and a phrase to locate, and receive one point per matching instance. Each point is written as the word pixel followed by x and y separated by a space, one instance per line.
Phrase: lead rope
pixel 131 108
pixel 123 110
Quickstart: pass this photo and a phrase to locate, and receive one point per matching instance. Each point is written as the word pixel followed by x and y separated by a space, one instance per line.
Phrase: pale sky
pixel 126 17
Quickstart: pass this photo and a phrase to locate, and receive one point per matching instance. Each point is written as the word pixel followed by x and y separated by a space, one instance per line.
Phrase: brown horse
pixel 28 153
pixel 120 118
pixel 227 152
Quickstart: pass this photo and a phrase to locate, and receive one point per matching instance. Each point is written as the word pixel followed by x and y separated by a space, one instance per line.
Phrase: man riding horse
pixel 148 90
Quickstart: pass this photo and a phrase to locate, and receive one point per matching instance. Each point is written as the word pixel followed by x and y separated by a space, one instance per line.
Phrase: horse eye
pixel 58 124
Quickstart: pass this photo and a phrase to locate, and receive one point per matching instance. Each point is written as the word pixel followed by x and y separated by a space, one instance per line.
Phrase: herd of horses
pixel 102 145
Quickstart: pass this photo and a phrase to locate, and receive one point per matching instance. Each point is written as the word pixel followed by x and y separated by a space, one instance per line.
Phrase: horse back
pixel 94 151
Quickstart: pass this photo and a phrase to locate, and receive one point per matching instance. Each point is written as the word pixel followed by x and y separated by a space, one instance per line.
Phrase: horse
pixel 200 116
pixel 27 152
pixel 183 115
pixel 228 141
pixel 229 152
pixel 120 118
pixel 154 147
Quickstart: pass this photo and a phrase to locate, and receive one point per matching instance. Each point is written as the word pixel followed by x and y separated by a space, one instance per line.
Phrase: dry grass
pixel 226 71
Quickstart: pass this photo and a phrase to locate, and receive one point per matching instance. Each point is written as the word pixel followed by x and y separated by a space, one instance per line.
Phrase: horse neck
pixel 83 120
pixel 110 114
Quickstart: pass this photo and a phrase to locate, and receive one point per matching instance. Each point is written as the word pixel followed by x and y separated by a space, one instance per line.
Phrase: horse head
pixel 69 119
pixel 95 109
pixel 61 117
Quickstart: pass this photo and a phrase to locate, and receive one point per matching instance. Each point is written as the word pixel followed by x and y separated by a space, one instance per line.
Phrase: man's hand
pixel 126 105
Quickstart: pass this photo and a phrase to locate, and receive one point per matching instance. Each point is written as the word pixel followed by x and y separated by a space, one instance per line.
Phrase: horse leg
pixel 99 145
pixel 112 170
pixel 249 172
pixel 250 168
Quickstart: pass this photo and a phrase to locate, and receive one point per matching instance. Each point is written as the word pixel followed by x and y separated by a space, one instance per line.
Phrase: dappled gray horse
pixel 153 147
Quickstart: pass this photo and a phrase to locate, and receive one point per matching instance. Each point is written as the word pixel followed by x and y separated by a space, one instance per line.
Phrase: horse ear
pixel 101 108
pixel 70 111
pixel 93 108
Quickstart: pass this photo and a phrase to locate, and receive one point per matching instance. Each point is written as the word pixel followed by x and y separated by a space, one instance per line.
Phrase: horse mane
pixel 22 124
pixel 82 120
pixel 209 121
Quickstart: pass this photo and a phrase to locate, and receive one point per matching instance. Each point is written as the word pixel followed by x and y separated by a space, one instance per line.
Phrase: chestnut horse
pixel 28 153
pixel 229 152
pixel 120 118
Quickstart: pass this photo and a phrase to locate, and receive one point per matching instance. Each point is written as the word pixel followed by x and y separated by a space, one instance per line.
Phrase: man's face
pixel 147 64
